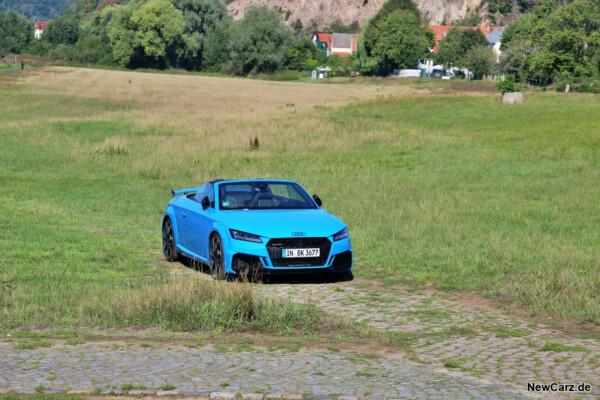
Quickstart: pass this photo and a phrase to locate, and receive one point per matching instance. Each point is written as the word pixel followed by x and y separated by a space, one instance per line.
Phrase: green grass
pixel 452 363
pixel 457 191
pixel 8 67
pixel 558 347
pixel 31 344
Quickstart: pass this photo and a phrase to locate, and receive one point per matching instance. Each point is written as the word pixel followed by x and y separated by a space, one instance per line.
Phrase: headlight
pixel 343 234
pixel 248 237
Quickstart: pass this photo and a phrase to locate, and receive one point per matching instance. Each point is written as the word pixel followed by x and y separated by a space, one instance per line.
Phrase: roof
pixel 440 31
pixel 339 41
pixel 495 36
pixel 324 38
pixel 41 25
pixel 342 40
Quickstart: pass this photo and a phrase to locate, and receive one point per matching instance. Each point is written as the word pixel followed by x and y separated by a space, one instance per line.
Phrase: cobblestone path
pixel 498 348
pixel 201 371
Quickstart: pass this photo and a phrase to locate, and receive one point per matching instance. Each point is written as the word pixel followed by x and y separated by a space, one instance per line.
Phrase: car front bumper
pixel 254 257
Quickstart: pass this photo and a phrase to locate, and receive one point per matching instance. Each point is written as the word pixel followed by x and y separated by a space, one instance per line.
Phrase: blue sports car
pixel 255 226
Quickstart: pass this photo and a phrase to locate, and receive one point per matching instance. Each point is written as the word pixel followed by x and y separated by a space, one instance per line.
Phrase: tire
pixel 216 257
pixel 168 240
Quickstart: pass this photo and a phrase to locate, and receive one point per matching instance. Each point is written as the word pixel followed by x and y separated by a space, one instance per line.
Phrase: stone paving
pixel 498 348
pixel 203 371
pixel 456 351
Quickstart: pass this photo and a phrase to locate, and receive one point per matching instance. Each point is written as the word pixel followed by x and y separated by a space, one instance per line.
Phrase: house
pixel 340 44
pixel 495 39
pixel 322 41
pixel 440 32
pixel 39 29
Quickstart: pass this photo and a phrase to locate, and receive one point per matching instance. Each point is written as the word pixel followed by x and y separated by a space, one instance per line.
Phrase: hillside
pixel 41 10
pixel 324 12
pixel 321 12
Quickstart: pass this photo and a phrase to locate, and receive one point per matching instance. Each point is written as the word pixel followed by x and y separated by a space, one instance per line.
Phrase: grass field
pixel 437 181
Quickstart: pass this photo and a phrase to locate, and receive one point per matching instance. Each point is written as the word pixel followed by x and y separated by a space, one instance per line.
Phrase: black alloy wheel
pixel 168 241
pixel 216 257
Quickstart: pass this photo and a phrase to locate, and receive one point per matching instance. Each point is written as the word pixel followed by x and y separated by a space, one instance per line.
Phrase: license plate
pixel 299 253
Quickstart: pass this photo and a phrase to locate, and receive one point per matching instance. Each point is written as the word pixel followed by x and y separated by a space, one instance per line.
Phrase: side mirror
pixel 317 200
pixel 205 203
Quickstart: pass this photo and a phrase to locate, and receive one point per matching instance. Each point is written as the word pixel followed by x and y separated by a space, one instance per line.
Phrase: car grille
pixel 275 247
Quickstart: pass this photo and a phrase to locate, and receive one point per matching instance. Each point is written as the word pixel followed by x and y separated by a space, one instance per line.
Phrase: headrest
pixel 265 195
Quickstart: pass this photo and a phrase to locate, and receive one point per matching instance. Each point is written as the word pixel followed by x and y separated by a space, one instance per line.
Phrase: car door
pixel 185 229
pixel 199 223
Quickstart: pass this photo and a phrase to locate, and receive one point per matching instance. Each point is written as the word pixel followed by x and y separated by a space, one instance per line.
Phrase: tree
pixel 338 26
pixel 402 40
pixel 90 50
pixel 300 53
pixel 199 18
pixel 42 10
pixel 63 29
pixel 554 41
pixel 480 60
pixel 372 33
pixel 454 47
pixel 15 33
pixel 365 63
pixel 259 41
pixel 297 26
pixel 144 34
pixel 217 46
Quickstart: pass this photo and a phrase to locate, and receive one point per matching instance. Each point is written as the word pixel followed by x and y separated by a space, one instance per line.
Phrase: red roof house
pixel 39 29
pixel 440 31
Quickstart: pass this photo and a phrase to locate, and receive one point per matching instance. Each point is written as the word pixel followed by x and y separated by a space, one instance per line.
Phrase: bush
pixel 90 50
pixel 509 85
pixel 61 52
pixel 561 85
pixel 584 85
pixel 589 85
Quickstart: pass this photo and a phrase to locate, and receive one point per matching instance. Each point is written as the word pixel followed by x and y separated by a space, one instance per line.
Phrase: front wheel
pixel 216 257
pixel 168 242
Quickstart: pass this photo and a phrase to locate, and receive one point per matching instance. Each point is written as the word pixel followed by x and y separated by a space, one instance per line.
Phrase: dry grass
pixel 221 114
pixel 187 102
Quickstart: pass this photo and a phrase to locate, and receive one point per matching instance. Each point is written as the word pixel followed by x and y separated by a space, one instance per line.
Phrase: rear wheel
pixel 216 257
pixel 168 241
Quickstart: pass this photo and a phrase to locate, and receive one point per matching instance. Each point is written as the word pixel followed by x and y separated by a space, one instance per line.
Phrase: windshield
pixel 263 195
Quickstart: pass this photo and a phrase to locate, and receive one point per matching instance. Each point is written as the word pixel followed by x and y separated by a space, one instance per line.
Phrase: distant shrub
pixel 61 52
pixel 90 50
pixel 561 85
pixel 589 85
pixel 281 76
pixel 311 65
pixel 509 85
pixel 582 85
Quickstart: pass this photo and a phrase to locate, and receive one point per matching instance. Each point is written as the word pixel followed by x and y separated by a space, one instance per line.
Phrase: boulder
pixel 512 98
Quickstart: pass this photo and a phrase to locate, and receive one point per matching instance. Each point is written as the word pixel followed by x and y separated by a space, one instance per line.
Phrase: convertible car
pixel 255 226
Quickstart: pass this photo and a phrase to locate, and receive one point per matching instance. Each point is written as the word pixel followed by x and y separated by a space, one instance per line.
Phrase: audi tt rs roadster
pixel 255 226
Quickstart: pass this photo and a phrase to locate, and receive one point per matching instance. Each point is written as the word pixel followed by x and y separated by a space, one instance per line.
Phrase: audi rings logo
pixel 298 233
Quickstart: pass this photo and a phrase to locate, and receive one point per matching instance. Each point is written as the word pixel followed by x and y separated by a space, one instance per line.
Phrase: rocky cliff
pixel 324 12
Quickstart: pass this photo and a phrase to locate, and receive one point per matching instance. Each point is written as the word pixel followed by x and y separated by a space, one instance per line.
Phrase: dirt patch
pixel 471 87
pixel 251 342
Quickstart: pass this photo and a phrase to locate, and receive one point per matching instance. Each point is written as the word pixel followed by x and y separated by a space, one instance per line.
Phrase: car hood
pixel 283 223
